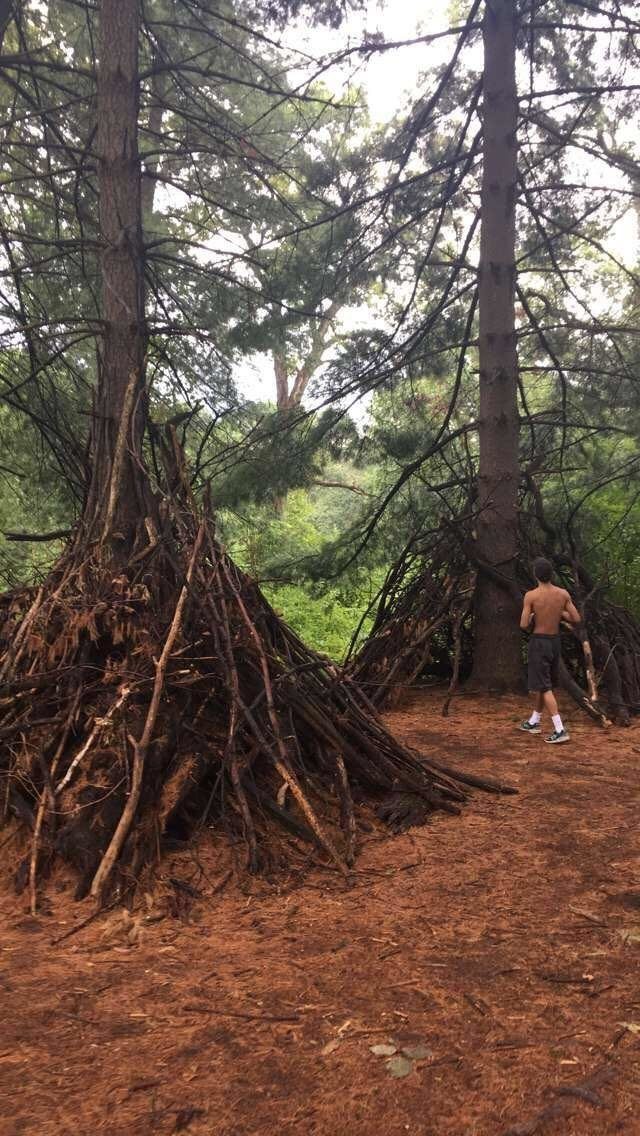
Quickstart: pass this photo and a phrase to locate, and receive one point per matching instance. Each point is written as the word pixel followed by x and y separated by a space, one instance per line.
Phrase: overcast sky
pixel 391 77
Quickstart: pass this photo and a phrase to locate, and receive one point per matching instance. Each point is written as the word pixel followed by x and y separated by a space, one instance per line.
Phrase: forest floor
pixel 502 948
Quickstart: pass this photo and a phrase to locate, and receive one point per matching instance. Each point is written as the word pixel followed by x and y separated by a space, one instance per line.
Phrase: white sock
pixel 535 718
pixel 557 723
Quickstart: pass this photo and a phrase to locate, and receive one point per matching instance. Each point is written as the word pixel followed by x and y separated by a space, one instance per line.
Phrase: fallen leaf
pixel 330 1047
pixel 383 1050
pixel 631 1027
pixel 399 1066
pixel 417 1052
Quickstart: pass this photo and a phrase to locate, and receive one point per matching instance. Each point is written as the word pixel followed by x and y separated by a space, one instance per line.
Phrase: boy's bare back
pixel 547 605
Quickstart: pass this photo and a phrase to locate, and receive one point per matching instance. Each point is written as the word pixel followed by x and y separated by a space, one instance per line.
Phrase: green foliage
pixel 33 498
pixel 278 551
pixel 325 622
pixel 331 12
pixel 611 531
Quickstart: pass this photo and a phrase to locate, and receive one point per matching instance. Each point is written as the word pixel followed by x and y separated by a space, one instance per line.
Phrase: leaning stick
pixel 576 692
pixel 589 667
pixel 236 706
pixel 347 817
pixel 457 652
pixel 119 455
pixel 281 762
pixel 47 797
pixel 140 747
pixel 20 638
pixel 99 725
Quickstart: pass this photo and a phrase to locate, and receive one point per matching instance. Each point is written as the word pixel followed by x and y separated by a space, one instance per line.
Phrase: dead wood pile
pixel 137 708
pixel 423 628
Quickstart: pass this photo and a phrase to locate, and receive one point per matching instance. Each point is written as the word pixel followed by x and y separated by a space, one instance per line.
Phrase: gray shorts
pixel 543 663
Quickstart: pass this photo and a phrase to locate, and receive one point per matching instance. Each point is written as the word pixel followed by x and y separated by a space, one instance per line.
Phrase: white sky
pixel 390 77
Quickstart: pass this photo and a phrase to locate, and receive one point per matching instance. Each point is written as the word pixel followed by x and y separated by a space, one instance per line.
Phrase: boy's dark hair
pixel 542 570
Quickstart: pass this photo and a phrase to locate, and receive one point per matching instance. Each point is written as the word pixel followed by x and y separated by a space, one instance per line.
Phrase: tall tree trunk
pixel 497 650
pixel 289 394
pixel 6 12
pixel 115 503
pixel 281 374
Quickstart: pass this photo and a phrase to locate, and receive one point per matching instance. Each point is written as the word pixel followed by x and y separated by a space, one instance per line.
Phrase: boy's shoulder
pixel 563 591
pixel 535 593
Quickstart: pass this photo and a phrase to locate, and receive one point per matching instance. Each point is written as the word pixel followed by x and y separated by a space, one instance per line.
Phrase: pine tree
pixel 116 505
pixel 496 659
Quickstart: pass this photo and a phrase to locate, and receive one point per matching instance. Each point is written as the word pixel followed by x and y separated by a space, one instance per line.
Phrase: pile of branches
pixel 609 668
pixel 423 627
pixel 420 627
pixel 140 706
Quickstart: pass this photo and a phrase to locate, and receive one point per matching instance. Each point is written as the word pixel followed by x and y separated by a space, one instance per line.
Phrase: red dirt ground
pixel 505 942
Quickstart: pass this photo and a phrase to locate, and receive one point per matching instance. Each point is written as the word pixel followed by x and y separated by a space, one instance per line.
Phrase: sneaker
pixel 557 737
pixel 529 729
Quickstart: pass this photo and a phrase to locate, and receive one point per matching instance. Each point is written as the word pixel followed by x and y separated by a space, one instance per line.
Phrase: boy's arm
pixel 571 613
pixel 527 613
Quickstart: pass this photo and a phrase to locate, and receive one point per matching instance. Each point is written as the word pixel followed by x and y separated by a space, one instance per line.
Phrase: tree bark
pixel 6 12
pixel 115 506
pixel 497 650
pixel 281 375
pixel 289 394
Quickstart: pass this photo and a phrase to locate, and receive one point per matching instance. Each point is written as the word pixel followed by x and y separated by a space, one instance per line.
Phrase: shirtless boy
pixel 545 607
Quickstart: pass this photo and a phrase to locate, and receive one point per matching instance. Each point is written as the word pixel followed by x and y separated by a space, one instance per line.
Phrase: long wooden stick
pixel 20 637
pixel 119 455
pixel 231 755
pixel 47 799
pixel 281 762
pixel 99 725
pixel 140 748
pixel 589 667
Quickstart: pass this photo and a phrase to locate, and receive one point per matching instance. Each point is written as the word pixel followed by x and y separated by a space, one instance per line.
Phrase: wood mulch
pixel 501 949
